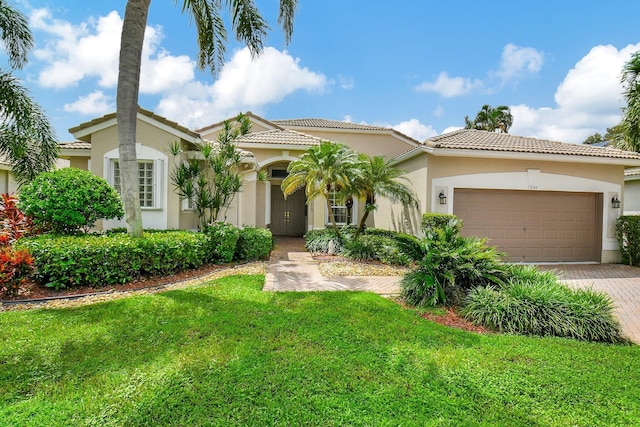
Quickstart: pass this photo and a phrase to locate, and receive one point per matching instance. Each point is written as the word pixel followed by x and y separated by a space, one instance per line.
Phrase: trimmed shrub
pixel 432 220
pixel 628 235
pixel 376 247
pixel 100 260
pixel 254 244
pixel 67 200
pixel 15 268
pixel 223 239
pixel 536 303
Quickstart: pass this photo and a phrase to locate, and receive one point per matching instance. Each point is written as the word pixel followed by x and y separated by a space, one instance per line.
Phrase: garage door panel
pixel 533 225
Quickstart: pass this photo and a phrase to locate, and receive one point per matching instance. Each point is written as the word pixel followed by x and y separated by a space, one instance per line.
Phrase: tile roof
pixel 78 145
pixel 632 172
pixel 280 137
pixel 331 124
pixel 142 111
pixel 470 139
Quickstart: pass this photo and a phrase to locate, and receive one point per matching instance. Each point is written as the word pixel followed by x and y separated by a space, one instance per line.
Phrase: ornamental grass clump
pixel 536 303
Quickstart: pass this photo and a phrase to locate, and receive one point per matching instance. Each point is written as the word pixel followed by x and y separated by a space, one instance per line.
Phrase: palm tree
pixel 380 178
pixel 27 139
pixel 321 170
pixel 631 113
pixel 248 26
pixel 491 119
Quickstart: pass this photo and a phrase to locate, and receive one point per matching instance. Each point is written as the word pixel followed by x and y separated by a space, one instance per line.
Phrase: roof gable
pixel 83 130
pixel 252 117
pixel 278 137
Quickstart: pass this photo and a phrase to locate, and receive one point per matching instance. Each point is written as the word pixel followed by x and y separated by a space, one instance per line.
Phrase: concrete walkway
pixel 293 269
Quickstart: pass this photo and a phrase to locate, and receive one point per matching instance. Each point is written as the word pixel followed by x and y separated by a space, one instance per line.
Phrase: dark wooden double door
pixel 288 217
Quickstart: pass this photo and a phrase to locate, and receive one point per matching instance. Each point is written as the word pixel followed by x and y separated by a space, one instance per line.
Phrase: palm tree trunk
pixel 135 21
pixel 332 217
pixel 363 220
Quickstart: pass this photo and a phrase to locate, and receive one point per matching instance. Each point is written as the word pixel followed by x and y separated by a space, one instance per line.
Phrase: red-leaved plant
pixel 15 265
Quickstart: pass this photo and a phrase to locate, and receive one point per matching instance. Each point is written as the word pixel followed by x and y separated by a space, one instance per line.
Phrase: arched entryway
pixel 288 216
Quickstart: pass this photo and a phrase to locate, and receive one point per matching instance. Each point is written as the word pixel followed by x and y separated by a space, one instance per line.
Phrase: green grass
pixel 229 354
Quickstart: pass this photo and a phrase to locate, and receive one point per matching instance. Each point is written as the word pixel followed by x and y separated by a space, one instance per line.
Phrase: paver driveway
pixel 621 282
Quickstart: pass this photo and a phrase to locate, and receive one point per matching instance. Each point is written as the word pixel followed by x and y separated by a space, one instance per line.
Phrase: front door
pixel 287 216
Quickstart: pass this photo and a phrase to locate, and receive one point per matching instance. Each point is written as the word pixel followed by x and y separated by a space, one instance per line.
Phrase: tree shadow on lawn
pixel 228 351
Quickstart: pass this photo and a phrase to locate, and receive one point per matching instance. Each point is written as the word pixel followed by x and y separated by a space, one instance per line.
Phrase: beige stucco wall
pixel 363 142
pixel 79 162
pixel 7 183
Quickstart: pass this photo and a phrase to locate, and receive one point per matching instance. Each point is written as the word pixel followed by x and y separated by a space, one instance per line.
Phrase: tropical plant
pixel 14 224
pixel 498 119
pixel 631 113
pixel 448 266
pixel 248 27
pixel 378 177
pixel 323 169
pixel 536 303
pixel 15 267
pixel 27 139
pixel 69 199
pixel 208 175
pixel 596 138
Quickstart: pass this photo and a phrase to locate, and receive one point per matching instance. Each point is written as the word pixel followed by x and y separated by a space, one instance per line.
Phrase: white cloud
pixel 96 103
pixel 439 111
pixel 91 50
pixel 245 83
pixel 587 101
pixel 415 129
pixel 451 129
pixel 346 83
pixel 449 87
pixel 517 61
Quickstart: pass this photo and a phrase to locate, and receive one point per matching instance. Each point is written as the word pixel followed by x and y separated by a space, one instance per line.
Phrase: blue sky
pixel 419 66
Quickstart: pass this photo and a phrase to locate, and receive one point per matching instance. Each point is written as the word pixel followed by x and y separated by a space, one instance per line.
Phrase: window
pixel 145 179
pixel 340 211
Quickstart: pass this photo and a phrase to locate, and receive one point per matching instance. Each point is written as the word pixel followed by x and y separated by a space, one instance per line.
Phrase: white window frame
pixel 354 211
pixel 156 174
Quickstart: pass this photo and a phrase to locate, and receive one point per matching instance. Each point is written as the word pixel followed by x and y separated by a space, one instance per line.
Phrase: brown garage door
pixel 534 226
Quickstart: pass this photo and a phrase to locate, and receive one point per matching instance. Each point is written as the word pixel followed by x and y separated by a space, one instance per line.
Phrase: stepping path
pixel 291 269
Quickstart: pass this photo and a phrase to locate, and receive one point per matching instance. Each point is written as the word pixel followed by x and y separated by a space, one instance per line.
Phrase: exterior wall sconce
pixel 442 197
pixel 615 202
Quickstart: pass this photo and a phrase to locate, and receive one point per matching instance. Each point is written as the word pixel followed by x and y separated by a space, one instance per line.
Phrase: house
pixel 537 200
pixel 632 191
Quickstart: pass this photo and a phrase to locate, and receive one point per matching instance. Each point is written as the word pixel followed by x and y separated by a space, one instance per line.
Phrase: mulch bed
pixel 32 290
pixel 454 320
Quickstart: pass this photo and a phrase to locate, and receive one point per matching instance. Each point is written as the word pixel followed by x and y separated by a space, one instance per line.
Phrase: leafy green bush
pixel 536 303
pixel 448 266
pixel 432 220
pixel 364 248
pixel 628 234
pixel 223 239
pixel 253 244
pixel 67 200
pixel 100 260
pixel 320 241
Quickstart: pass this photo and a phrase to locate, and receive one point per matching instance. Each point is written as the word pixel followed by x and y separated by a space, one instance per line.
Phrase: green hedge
pixel 432 220
pixel 100 260
pixel 223 239
pixel 254 244
pixel 628 234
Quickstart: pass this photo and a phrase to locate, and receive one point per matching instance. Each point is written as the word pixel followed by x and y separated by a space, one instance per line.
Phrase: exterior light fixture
pixel 615 202
pixel 442 197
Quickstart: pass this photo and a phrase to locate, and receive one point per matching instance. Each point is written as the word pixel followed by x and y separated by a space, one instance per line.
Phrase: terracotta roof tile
pixel 470 139
pixel 331 124
pixel 78 145
pixel 276 136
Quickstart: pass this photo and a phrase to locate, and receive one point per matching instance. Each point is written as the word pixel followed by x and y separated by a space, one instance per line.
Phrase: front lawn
pixel 229 354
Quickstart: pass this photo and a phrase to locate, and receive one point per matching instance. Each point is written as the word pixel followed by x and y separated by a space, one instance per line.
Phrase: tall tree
pixel 498 119
pixel 248 26
pixel 321 170
pixel 380 178
pixel 27 139
pixel 596 138
pixel 631 113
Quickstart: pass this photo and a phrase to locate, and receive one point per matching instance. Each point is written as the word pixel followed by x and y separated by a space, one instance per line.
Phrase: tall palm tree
pixel 321 170
pixel 380 178
pixel 27 139
pixel 491 119
pixel 248 27
pixel 631 113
